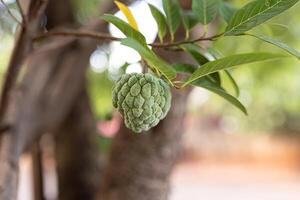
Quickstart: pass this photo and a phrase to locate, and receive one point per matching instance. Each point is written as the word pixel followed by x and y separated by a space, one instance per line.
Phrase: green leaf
pixel 221 92
pixel 189 20
pixel 184 67
pixel 255 13
pixel 172 10
pixel 228 62
pixel 227 11
pixel 233 82
pixel 160 21
pixel 123 68
pixel 278 43
pixel 125 28
pixel 277 29
pixel 206 10
pixel 216 54
pixel 151 58
pixel 193 50
pixel 215 77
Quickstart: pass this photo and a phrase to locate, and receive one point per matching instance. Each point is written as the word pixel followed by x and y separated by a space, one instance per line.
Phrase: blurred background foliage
pixel 270 90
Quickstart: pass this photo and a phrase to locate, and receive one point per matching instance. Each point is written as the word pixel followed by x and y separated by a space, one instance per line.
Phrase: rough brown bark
pixel 9 159
pixel 47 95
pixel 75 146
pixel 77 154
pixel 52 82
pixel 51 85
pixel 29 28
pixel 140 165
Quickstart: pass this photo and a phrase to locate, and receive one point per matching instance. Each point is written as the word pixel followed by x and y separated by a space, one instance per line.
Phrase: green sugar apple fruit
pixel 142 99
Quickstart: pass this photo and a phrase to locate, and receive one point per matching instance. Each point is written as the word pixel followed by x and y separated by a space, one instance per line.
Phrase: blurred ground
pixel 197 181
pixel 217 167
pixel 208 181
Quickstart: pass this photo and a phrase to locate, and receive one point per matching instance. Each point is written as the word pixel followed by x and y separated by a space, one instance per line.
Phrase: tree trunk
pixel 75 146
pixel 77 154
pixel 23 46
pixel 140 165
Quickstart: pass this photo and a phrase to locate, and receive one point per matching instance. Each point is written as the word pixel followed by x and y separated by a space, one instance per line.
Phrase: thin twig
pixel 10 13
pixel 89 34
pixel 21 10
pixel 102 36
pixel 173 44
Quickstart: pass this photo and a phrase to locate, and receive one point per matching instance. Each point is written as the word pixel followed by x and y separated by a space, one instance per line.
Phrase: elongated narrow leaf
pixel 227 11
pixel 278 43
pixel 189 69
pixel 216 77
pixel 228 62
pixel 221 92
pixel 217 55
pixel 194 51
pixel 151 58
pixel 189 20
pixel 255 13
pixel 184 68
pixel 172 11
pixel 233 82
pixel 277 29
pixel 128 14
pixel 206 10
pixel 125 28
pixel 160 21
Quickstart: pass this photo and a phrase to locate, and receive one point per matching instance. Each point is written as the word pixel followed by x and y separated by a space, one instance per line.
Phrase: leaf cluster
pixel 207 72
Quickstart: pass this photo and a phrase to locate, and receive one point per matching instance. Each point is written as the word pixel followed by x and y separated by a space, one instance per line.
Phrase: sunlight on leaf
pixel 128 14
pixel 255 13
pixel 228 62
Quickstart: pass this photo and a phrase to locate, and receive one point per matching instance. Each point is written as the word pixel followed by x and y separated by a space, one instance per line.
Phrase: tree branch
pixel 10 13
pixel 174 44
pixel 21 11
pixel 103 36
pixel 23 46
pixel 88 34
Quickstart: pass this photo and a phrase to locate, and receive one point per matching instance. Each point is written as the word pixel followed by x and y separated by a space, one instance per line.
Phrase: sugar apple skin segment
pixel 142 99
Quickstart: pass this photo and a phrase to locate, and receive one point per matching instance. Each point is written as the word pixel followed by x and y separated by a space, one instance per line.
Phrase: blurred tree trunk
pixel 75 146
pixel 9 153
pixel 76 150
pixel 140 165
pixel 47 100
pixel 77 154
